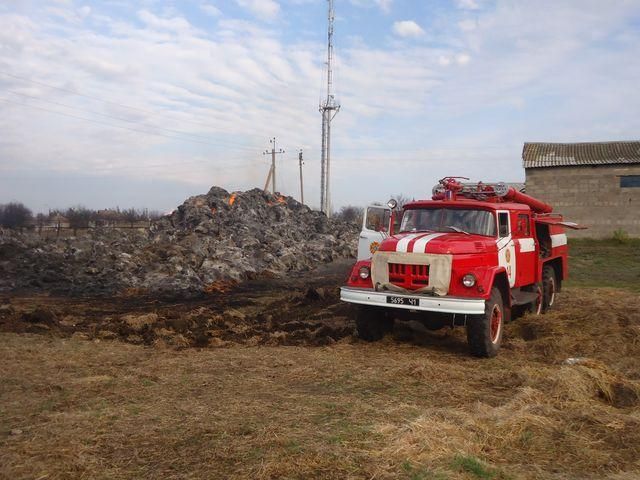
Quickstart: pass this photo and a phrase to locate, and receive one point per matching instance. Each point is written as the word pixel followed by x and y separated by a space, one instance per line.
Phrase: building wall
pixel 591 196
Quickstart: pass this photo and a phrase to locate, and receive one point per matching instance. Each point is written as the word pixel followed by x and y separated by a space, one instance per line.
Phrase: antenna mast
pixel 329 109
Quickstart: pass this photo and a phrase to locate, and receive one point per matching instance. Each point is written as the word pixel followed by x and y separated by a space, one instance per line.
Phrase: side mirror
pixel 392 204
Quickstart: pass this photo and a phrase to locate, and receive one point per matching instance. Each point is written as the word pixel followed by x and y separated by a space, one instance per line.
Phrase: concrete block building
pixel 594 184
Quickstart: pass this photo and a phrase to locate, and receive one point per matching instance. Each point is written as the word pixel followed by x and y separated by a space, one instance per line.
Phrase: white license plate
pixel 393 300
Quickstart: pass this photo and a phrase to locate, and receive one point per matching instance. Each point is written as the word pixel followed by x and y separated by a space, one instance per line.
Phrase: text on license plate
pixel 414 302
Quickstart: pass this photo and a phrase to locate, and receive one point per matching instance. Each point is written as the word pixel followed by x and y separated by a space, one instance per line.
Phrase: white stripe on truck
pixel 420 246
pixel 558 240
pixel 403 244
pixel 527 245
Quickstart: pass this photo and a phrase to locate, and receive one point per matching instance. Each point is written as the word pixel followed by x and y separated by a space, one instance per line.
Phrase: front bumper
pixel 365 296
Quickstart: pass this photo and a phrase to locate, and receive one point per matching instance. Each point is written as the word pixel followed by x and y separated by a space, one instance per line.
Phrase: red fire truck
pixel 471 256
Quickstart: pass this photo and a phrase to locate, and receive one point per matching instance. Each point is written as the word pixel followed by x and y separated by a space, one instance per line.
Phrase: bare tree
pixel 79 217
pixel 131 215
pixel 15 215
pixel 351 214
pixel 41 220
pixel 402 200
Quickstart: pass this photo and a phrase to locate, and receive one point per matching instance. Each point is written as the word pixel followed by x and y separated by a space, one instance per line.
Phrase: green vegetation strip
pixel 605 263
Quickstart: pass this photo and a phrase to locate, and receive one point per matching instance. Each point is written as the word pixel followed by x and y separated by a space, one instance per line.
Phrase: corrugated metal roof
pixel 537 155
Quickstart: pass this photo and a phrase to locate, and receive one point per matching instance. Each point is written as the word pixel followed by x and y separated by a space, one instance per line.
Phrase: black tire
pixel 537 307
pixel 484 332
pixel 373 323
pixel 549 287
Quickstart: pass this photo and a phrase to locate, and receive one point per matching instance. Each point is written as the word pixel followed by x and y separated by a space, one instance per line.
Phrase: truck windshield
pixel 479 222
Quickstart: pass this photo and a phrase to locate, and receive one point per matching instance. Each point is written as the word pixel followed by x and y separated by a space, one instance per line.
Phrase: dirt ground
pixel 267 381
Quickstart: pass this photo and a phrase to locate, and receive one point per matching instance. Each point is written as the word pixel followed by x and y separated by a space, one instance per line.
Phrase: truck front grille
pixel 410 277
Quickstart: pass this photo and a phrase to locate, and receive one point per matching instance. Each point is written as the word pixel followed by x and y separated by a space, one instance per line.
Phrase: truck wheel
pixel 484 332
pixel 549 287
pixel 372 323
pixel 536 306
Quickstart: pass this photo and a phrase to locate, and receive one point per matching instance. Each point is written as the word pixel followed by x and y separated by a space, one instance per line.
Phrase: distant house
pixel 106 218
pixel 595 184
pixel 58 222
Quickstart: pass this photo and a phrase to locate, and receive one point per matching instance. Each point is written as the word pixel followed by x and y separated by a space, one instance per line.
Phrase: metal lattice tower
pixel 329 108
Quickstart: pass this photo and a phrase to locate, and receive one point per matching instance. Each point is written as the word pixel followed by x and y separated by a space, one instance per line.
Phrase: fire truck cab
pixel 471 256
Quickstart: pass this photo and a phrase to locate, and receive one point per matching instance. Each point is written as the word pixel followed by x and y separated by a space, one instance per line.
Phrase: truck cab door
pixel 506 246
pixel 376 226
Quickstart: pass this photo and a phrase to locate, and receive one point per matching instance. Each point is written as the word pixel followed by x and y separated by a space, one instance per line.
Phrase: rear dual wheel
pixel 546 291
pixel 536 307
pixel 484 332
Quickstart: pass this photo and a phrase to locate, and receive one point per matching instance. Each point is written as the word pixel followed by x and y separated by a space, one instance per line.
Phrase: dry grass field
pixel 561 401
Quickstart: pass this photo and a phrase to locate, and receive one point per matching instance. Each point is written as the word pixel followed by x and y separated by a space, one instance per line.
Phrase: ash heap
pixel 208 240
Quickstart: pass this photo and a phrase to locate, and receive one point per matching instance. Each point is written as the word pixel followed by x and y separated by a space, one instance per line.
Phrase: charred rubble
pixel 209 241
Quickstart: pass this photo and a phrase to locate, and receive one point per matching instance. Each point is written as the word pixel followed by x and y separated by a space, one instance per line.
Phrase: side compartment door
pixel 526 249
pixel 506 246
pixel 376 225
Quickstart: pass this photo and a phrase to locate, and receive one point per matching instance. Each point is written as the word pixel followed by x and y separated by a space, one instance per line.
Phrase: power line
pixel 73 92
pixel 109 124
pixel 106 115
pixel 93 97
pixel 236 166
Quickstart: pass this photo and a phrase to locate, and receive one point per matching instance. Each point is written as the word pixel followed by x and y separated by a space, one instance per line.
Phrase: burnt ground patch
pixel 298 310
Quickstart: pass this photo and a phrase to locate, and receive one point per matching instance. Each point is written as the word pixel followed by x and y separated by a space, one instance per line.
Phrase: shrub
pixel 15 215
pixel 620 236
pixel 351 214
pixel 79 217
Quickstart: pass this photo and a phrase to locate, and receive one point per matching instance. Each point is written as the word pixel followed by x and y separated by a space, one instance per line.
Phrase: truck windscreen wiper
pixel 456 229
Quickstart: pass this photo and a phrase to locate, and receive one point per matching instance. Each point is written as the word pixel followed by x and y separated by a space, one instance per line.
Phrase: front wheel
pixel 372 323
pixel 484 332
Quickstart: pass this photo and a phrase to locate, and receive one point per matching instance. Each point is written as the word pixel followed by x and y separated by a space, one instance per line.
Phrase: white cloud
pixel 241 83
pixel 444 60
pixel 407 28
pixel 84 11
pixel 265 9
pixel 467 25
pixel 177 24
pixel 463 58
pixel 210 9
pixel 384 5
pixel 468 4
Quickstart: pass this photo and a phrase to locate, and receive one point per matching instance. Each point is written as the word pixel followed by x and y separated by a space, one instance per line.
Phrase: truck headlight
pixel 469 280
pixel 364 272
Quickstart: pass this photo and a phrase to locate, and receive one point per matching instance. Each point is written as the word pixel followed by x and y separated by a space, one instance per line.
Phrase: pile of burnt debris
pixel 207 243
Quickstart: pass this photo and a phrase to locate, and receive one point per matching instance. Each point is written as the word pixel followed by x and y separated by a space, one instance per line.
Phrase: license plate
pixel 414 302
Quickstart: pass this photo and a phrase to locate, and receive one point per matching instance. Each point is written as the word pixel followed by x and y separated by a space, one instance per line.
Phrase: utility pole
pixel 301 162
pixel 329 109
pixel 272 170
pixel 266 184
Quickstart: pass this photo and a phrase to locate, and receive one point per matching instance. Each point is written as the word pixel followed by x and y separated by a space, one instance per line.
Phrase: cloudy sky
pixel 123 103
